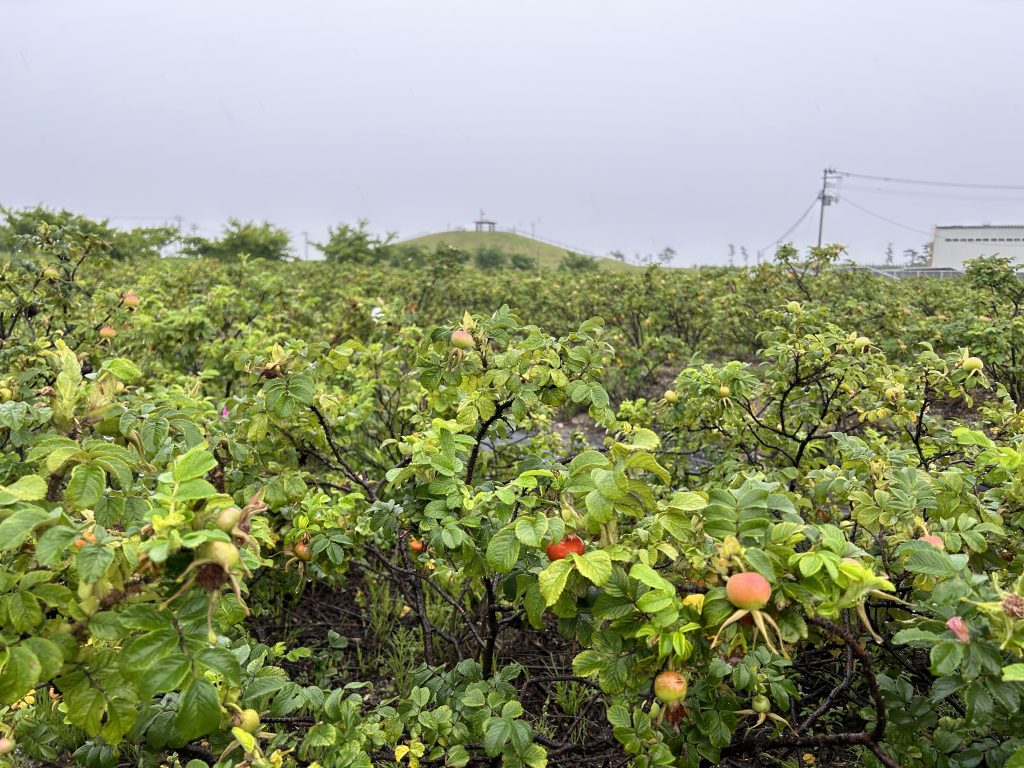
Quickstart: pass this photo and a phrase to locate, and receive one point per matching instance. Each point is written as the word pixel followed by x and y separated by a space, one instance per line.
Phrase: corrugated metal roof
pixel 980 226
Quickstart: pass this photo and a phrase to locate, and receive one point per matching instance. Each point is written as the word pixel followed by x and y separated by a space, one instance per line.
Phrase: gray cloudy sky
pixel 630 125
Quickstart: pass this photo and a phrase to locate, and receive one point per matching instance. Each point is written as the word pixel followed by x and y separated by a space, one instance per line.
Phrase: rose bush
pixel 265 525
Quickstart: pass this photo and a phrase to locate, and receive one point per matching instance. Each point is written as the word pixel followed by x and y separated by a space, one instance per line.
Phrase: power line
pixel 925 195
pixel 789 231
pixel 883 218
pixel 964 185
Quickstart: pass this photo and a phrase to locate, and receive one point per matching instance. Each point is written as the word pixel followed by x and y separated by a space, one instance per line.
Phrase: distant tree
pixel 357 244
pixel 522 262
pixel 732 255
pixel 577 262
pixel 662 258
pixel 150 242
pixel 119 244
pixel 19 224
pixel 915 258
pixel 890 255
pixel 618 255
pixel 743 253
pixel 489 257
pixel 259 241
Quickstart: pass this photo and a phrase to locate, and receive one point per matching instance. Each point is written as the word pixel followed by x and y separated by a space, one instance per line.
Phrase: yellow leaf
pixel 697 601
pixel 246 739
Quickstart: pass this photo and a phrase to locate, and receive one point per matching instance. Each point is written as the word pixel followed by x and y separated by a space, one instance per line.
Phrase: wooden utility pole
pixel 826 199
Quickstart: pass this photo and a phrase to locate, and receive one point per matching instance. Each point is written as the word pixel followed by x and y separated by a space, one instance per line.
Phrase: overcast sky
pixel 625 125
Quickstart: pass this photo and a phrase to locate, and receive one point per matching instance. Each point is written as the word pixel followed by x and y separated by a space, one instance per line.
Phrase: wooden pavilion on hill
pixel 483 224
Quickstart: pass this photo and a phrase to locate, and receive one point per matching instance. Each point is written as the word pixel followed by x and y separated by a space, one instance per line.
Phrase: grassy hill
pixel 547 255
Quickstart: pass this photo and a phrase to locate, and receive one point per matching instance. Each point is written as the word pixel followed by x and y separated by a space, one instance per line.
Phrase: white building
pixel 952 246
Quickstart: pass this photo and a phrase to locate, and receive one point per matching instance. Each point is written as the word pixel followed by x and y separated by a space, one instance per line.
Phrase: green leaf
pixel 497 731
pixel 810 564
pixel 147 649
pixel 120 472
pixel 648 463
pixel 530 530
pixel 263 685
pixel 599 396
pixel 86 706
pixel 833 539
pixel 587 460
pixel 457 757
pixel 154 431
pixel 535 756
pixel 610 483
pixel 19 674
pixel 197 488
pixel 552 580
pixel 760 562
pixel 49 655
pixel 302 388
pixel 199 711
pixel 512 709
pixel 195 463
pixel 578 391
pixel 1016 759
pixel 600 509
pixel 223 662
pixel 647 575
pixel 321 735
pixel 654 601
pixel 503 550
pixel 283 395
pixel 1014 673
pixel 965 436
pixel 142 616
pixel 914 635
pixel 23 611
pixel 714 726
pixel 946 656
pixel 595 565
pixel 618 715
pixel 18 527
pixel 930 561
pixel 534 604
pixel 645 440
pixel 124 369
pixel 473 697
pixel 93 560
pixel 27 488
pixel 588 663
pixel 61 456
pixel 688 501
pixel 167 676
pixel 86 486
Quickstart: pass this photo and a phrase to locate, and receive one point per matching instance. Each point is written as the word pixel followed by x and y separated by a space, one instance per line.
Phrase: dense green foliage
pixel 21 226
pixel 277 518
pixel 354 244
pixel 242 239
